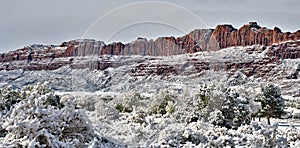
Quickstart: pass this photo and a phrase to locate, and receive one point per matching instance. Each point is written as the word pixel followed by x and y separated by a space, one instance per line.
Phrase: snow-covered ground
pixel 140 129
pixel 118 119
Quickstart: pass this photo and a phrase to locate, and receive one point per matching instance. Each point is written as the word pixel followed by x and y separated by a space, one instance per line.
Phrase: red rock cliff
pixel 198 40
pixel 251 34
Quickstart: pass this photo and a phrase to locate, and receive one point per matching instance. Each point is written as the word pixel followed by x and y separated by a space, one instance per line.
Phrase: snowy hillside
pixel 204 99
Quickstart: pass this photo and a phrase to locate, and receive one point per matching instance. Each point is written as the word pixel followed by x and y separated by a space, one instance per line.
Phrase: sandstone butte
pixel 198 40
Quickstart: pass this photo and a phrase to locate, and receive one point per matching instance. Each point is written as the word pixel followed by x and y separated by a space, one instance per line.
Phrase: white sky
pixel 54 21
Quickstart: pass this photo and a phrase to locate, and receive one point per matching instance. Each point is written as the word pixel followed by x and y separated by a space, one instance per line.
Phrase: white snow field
pixel 116 107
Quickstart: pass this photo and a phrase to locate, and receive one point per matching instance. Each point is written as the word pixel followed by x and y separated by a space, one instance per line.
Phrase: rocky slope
pixel 222 36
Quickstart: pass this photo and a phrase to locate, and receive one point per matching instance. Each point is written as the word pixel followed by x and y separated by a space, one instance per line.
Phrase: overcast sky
pixel 25 22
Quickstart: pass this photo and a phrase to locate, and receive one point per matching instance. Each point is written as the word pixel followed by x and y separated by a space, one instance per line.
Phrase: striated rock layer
pixel 41 57
pixel 251 34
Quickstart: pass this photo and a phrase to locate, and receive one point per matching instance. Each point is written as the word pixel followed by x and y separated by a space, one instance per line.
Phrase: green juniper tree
pixel 272 104
pixel 235 110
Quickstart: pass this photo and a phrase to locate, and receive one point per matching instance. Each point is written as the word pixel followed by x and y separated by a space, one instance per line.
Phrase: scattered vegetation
pixel 217 116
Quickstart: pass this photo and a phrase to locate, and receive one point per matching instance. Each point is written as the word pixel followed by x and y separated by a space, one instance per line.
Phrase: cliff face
pixel 198 40
pixel 251 34
pixel 163 46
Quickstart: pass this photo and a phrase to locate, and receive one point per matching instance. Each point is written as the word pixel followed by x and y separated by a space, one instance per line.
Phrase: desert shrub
pixel 41 121
pixel 171 107
pixel 123 107
pixel 295 115
pixel 209 98
pixel 216 118
pixel 9 97
pixel 201 134
pixel 138 118
pixel 222 106
pixel 129 102
pixel 163 103
pixel 46 125
pixel 293 136
pixel 237 79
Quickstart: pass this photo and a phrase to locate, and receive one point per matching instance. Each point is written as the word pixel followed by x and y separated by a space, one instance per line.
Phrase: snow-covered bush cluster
pixel 215 116
pixel 222 106
pixel 129 102
pixel 254 135
pixel 9 97
pixel 36 118
pixel 163 103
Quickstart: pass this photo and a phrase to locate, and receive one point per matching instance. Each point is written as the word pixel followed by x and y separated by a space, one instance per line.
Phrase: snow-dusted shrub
pixel 271 136
pixel 216 117
pixel 296 115
pixel 237 79
pixel 138 118
pixel 204 96
pixel 163 103
pixel 171 107
pixel 255 135
pixel 105 111
pixel 40 121
pixel 293 135
pixel 222 106
pixel 237 112
pixel 202 134
pixel 9 97
pixel 209 98
pixel 33 124
pixel 129 102
pixel 170 136
pixel 185 111
pixel 124 107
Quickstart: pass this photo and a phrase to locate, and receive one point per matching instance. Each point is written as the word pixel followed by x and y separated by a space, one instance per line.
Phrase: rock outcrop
pixel 41 57
pixel 286 50
pixel 251 34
